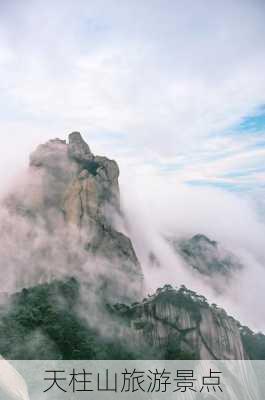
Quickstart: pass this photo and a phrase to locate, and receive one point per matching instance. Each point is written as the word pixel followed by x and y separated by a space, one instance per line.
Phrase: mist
pixel 153 207
pixel 157 207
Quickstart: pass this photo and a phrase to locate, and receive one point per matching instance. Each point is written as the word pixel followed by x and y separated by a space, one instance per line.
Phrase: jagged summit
pixel 71 189
pixel 78 149
pixel 70 178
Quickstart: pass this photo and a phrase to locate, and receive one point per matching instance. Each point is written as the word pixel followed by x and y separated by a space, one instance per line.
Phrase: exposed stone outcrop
pixel 171 324
pixel 71 188
pixel 78 149
pixel 74 180
pixel 182 324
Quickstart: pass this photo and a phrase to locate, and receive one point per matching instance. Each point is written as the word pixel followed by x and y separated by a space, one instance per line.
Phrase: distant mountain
pixel 207 257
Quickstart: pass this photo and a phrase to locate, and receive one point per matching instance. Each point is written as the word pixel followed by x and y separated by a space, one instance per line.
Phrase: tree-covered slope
pixel 44 322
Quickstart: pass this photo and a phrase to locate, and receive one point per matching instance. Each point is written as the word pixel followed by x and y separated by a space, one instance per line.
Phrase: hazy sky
pixel 167 87
pixel 173 90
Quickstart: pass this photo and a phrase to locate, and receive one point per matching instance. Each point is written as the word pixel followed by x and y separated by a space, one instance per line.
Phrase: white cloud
pixel 157 207
pixel 157 85
pixel 160 71
pixel 166 75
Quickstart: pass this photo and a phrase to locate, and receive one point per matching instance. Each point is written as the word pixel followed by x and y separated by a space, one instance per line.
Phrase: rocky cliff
pixel 183 325
pixel 72 195
pixel 75 182
pixel 66 208
pixel 49 322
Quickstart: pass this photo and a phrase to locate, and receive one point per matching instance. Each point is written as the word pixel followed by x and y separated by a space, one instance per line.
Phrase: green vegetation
pixel 42 323
pixel 254 343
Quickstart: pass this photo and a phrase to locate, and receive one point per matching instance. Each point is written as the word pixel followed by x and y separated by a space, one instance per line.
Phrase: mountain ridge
pixel 70 202
pixel 43 322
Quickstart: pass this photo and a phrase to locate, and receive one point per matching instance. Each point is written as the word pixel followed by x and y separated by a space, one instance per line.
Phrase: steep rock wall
pixel 184 327
pixel 69 189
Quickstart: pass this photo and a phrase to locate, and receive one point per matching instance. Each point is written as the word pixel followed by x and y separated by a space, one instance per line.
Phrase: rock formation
pixel 181 324
pixel 71 194
pixel 74 180
pixel 171 324
pixel 71 189
pixel 208 258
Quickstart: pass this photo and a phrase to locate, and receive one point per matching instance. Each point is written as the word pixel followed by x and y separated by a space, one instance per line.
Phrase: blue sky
pixel 253 123
pixel 169 88
pixel 249 173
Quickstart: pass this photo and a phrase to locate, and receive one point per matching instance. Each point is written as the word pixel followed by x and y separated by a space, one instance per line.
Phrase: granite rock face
pixel 78 149
pixel 181 324
pixel 74 180
pixel 71 189
pixel 171 324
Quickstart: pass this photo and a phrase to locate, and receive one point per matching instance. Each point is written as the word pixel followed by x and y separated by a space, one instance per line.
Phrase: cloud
pixel 135 67
pixel 163 87
pixel 156 207
pixel 170 78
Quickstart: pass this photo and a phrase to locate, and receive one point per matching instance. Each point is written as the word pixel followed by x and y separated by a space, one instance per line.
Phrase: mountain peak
pixel 78 149
pixel 69 188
